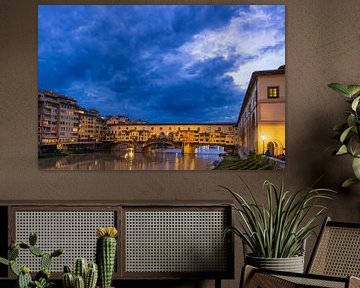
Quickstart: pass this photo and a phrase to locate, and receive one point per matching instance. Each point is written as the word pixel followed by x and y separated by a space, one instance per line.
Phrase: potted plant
pixel 349 132
pixel 42 278
pixel 84 274
pixel 276 233
pixel 106 254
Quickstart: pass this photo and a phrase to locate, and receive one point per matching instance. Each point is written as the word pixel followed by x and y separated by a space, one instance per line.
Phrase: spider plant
pixel 279 229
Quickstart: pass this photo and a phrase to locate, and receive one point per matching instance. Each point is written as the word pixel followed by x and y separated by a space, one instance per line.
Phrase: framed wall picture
pixel 161 87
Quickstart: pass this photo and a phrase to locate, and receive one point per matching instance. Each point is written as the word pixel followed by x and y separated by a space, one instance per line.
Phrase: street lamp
pixel 263 142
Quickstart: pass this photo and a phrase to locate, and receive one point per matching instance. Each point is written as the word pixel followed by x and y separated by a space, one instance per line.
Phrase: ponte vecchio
pixel 188 136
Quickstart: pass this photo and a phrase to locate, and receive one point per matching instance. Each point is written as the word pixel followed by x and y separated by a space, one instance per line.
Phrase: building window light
pixel 273 92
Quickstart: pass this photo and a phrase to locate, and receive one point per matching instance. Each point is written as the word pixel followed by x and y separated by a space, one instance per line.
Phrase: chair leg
pixel 217 283
pixel 354 282
pixel 246 273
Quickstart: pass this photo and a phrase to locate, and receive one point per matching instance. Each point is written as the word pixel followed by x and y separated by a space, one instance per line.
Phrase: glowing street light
pixel 263 137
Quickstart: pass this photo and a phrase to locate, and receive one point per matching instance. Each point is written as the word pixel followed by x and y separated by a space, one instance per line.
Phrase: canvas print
pixel 161 87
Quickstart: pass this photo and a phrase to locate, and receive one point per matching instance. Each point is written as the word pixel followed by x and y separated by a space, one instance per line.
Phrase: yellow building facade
pixel 261 122
pixel 91 126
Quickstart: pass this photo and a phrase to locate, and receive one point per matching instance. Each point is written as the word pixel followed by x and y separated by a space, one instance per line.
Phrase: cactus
pixel 57 253
pixel 45 261
pixel 43 274
pixel 67 269
pixel 80 267
pixel 32 238
pixel 90 272
pixel 79 282
pixel 105 254
pixel 42 278
pixel 68 280
pixel 13 253
pixel 24 280
pixel 91 276
pixel 36 251
pixel 24 245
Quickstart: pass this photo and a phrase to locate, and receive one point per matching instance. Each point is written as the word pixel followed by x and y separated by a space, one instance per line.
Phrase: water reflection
pixel 168 159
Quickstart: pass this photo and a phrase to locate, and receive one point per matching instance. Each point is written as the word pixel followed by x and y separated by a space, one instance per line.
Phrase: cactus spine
pixel 105 255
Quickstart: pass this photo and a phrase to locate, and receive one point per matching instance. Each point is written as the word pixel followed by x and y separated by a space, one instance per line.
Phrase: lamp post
pixel 263 142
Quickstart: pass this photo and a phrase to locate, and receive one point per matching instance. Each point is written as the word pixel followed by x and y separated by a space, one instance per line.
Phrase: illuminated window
pixel 273 92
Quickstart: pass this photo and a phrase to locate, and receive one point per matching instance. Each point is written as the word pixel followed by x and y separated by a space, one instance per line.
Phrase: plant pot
pixel 291 264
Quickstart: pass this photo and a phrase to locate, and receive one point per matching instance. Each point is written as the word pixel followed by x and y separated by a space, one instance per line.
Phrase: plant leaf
pixel 353 89
pixel 340 88
pixel 356 167
pixel 349 182
pixel 342 150
pixel 345 134
pixel 355 103
pixel 279 228
pixel 351 120
pixel 354 146
pixel 4 261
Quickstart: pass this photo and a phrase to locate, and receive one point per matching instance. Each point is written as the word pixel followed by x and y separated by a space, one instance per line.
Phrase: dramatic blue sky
pixel 158 63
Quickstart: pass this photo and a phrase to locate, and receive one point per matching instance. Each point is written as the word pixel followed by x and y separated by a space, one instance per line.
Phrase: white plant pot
pixel 291 264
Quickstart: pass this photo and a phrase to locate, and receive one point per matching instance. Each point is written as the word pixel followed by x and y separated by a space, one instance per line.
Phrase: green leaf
pixel 354 146
pixel 351 120
pixel 340 88
pixel 353 89
pixel 342 150
pixel 356 167
pixel 4 261
pixel 355 103
pixel 279 228
pixel 14 268
pixel 349 182
pixel 345 134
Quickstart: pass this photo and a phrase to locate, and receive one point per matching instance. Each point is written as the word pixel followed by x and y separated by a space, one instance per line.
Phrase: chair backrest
pixel 337 251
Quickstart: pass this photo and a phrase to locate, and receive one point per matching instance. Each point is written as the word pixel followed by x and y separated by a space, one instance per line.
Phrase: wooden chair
pixel 334 263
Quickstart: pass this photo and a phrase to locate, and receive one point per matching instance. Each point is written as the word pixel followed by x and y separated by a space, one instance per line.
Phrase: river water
pixel 165 159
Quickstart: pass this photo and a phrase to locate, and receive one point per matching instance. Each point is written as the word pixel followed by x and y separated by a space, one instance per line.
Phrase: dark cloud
pixel 113 58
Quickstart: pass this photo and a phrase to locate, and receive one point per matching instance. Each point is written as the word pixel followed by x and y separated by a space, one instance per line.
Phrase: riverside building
pixel 261 122
pixel 58 119
pixel 62 123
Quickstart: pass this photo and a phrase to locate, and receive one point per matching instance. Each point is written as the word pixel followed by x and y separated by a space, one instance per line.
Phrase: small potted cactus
pixel 42 278
pixel 106 254
pixel 85 275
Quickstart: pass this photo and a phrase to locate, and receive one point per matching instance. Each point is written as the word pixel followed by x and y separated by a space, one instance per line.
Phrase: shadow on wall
pixel 315 156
